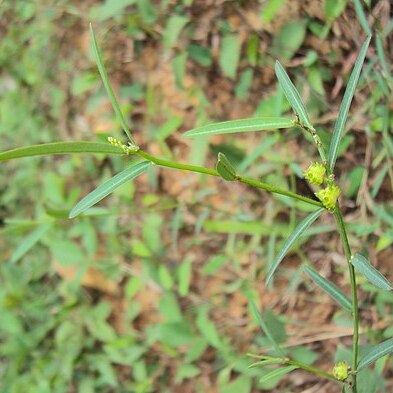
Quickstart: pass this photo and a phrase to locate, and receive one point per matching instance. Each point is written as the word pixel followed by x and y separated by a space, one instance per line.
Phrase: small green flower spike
pixel 315 174
pixel 328 196
pixel 127 149
pixel 340 371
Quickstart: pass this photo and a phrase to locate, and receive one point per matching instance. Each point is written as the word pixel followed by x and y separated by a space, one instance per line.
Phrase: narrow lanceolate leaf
pixel 224 168
pixel 60 148
pixel 265 329
pixel 292 95
pixel 267 362
pixel 370 272
pixel 242 125
pixel 279 372
pixel 108 87
pixel 291 240
pixel 29 242
pixel 330 288
pixel 377 352
pixel 346 103
pixel 109 186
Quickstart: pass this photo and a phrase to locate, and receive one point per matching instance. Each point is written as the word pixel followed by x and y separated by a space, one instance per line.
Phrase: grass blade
pixel 28 242
pixel 242 125
pixel 265 329
pixel 346 103
pixel 370 272
pixel 109 186
pixel 108 87
pixel 60 148
pixel 291 240
pixel 279 372
pixel 330 288
pixel 377 352
pixel 292 95
pixel 361 16
pixel 267 362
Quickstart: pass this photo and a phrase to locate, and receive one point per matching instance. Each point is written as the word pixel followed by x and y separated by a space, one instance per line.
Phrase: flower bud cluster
pixel 316 174
pixel 127 149
pixel 340 371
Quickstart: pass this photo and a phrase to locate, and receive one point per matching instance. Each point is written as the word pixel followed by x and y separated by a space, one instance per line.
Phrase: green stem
pixel 213 172
pixel 276 190
pixel 311 369
pixel 355 309
pixel 301 365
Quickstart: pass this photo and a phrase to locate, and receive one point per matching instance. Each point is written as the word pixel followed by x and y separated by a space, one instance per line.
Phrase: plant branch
pixel 254 183
pixel 291 362
pixel 355 309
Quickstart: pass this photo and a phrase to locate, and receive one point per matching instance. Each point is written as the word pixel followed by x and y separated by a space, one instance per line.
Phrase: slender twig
pixel 355 309
pixel 254 183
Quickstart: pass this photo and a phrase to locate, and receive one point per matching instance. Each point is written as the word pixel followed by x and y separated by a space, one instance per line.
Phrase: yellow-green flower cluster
pixel 340 371
pixel 127 149
pixel 315 174
pixel 328 196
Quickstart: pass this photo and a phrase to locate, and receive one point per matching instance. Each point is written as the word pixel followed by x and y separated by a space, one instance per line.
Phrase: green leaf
pixel 230 55
pixel 290 38
pixel 370 272
pixel 377 352
pixel 173 28
pixel 109 186
pixel 361 16
pixel 242 125
pixel 291 240
pixel 224 168
pixel 60 148
pixel 292 95
pixel 346 103
pixel 108 87
pixel 28 242
pixel 267 362
pixel 280 372
pixel 334 8
pixel 330 288
pixel 265 329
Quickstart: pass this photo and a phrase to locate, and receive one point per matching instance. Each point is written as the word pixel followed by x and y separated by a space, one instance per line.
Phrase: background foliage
pixel 150 290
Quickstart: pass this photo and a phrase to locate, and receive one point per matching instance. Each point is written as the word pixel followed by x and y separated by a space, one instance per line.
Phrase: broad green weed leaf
pixel 174 27
pixel 224 168
pixel 230 55
pixel 242 125
pixel 334 8
pixel 109 186
pixel 28 242
pixel 346 103
pixel 291 240
pixel 265 329
pixel 289 39
pixel 108 87
pixel 330 288
pixel 377 352
pixel 370 272
pixel 60 148
pixel 292 95
pixel 279 372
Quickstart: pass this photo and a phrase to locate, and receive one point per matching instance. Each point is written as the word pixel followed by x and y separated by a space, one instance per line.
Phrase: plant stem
pixel 355 310
pixel 276 190
pixel 254 183
pixel 311 369
pixel 301 365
